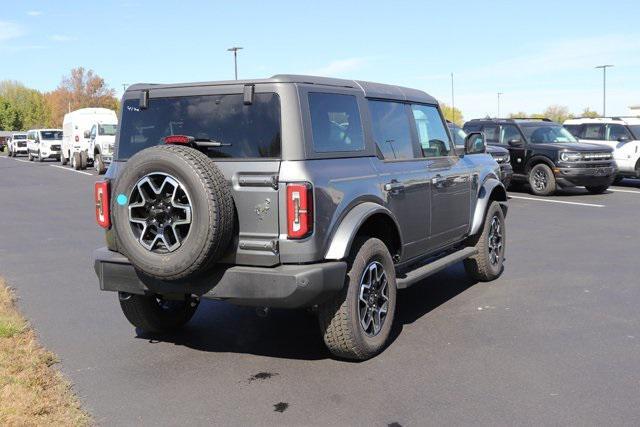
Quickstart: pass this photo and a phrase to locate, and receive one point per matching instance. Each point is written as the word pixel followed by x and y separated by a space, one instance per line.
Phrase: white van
pixel 44 144
pixel 17 144
pixel 79 147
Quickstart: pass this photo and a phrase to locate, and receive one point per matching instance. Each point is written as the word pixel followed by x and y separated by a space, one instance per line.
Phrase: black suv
pixel 547 156
pixel 499 154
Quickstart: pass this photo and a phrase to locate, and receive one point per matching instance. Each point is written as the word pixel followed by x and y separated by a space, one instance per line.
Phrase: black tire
pixel 483 266
pixel 83 160
pixel 99 164
pixel 30 156
pixel 63 159
pixel 155 315
pixel 40 159
pixel 76 161
pixel 596 189
pixel 618 179
pixel 541 180
pixel 212 219
pixel 340 322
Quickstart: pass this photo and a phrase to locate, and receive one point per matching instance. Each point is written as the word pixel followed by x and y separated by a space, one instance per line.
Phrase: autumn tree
pixel 80 89
pixel 557 113
pixel 452 114
pixel 587 112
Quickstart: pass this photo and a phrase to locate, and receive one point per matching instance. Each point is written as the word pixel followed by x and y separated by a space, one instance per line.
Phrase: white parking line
pixel 593 205
pixel 70 170
pixel 624 191
pixel 20 160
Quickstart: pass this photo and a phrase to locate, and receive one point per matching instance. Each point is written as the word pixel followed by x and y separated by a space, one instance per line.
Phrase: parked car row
pixel 86 139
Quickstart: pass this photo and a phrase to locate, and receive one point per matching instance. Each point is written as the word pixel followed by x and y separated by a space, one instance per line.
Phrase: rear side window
pixel 509 133
pixel 616 132
pixel 392 129
pixel 574 129
pixel 593 132
pixel 335 123
pixel 242 131
pixel 490 133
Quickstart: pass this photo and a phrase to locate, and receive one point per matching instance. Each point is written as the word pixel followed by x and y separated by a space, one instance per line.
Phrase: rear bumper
pixel 568 177
pixel 284 286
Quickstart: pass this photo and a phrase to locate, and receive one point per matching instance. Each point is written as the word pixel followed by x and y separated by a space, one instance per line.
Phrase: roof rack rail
pixel 608 117
pixel 543 119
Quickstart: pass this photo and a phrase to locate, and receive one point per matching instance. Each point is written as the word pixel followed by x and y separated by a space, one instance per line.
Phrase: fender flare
pixel 538 159
pixel 346 231
pixel 484 195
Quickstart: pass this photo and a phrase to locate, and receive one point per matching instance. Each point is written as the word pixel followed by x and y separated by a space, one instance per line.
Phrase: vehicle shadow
pixel 220 327
pixel 523 189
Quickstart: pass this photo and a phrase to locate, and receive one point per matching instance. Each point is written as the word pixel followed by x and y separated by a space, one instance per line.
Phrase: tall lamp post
pixel 604 87
pixel 499 93
pixel 453 102
pixel 235 50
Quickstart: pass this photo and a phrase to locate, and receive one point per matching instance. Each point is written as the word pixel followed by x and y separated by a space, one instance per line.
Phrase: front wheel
pixel 596 189
pixel 488 263
pixel 541 180
pixel 155 314
pixel 40 159
pixel 30 156
pixel 357 322
pixel 99 164
pixel 618 179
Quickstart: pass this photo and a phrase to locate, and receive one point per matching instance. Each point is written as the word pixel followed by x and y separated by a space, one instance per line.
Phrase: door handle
pixel 394 186
pixel 438 181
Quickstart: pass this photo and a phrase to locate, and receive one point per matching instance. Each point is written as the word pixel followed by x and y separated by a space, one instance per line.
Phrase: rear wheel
pixel 63 159
pixel 75 161
pixel 541 180
pixel 157 315
pixel 357 322
pixel 596 189
pixel 83 160
pixel 487 264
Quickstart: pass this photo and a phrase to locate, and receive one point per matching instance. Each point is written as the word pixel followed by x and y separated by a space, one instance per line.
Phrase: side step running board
pixel 414 276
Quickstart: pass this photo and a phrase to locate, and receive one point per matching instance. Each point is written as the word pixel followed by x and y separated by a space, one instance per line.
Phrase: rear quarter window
pixel 243 131
pixel 335 123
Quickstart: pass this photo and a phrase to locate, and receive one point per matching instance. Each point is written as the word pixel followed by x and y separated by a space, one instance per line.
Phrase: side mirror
pixel 474 143
pixel 87 134
pixel 623 139
pixel 515 142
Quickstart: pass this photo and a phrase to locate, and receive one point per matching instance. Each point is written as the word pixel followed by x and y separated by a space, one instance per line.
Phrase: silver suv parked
pixel 291 192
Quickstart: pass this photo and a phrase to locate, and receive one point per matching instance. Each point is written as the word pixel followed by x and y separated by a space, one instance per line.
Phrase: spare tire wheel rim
pixel 160 212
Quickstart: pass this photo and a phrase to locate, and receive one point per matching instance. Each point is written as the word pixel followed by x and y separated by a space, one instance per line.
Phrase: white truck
pixel 17 144
pixel 88 138
pixel 620 133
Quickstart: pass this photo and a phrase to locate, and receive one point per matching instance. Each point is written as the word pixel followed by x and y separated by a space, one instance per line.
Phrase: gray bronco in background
pixel 291 192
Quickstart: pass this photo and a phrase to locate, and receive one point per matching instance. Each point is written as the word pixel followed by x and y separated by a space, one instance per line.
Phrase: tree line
pixel 23 108
pixel 556 113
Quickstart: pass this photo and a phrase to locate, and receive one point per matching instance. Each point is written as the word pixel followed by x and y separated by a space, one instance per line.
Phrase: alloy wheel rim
pixel 373 302
pixel 540 180
pixel 495 241
pixel 160 212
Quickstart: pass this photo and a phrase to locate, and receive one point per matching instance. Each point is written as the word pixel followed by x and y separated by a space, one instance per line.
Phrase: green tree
pixel 29 104
pixel 9 117
pixel 587 112
pixel 452 114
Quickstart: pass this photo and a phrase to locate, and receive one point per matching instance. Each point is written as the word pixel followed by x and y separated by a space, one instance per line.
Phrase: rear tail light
pixel 178 139
pixel 101 195
pixel 77 138
pixel 299 210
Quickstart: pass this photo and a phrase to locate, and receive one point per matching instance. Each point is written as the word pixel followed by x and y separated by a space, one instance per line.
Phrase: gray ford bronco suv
pixel 291 192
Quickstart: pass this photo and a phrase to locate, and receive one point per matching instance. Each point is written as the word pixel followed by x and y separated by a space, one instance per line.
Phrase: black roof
pixel 370 89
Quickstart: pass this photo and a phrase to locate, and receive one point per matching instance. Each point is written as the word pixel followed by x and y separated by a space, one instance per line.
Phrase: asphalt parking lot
pixel 556 340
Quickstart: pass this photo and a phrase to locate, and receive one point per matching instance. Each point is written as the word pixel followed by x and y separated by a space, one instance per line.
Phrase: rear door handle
pixel 394 186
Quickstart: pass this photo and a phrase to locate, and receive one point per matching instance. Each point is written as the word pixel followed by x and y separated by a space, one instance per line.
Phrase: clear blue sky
pixel 536 53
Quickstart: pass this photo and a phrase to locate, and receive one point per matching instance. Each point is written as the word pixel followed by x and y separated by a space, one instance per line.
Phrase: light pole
pixel 499 93
pixel 604 87
pixel 453 102
pixel 235 50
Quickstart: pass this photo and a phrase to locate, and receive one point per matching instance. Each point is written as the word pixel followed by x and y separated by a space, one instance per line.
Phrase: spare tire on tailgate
pixel 172 212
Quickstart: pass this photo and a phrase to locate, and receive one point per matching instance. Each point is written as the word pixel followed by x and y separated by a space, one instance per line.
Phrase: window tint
pixel 509 132
pixel 574 129
pixel 432 134
pixel 242 131
pixel 335 122
pixel 490 133
pixel 109 130
pixel 593 131
pixel 93 132
pixel 458 134
pixel 615 132
pixel 51 134
pixel 391 129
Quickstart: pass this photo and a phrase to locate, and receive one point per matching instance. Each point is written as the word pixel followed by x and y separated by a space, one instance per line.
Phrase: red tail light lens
pixel 299 210
pixel 178 139
pixel 101 195
pixel 77 138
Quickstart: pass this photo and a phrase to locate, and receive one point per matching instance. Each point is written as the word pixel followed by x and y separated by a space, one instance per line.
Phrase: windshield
pixel 548 134
pixel 234 129
pixel 51 134
pixel 635 129
pixel 20 136
pixel 107 129
pixel 458 135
